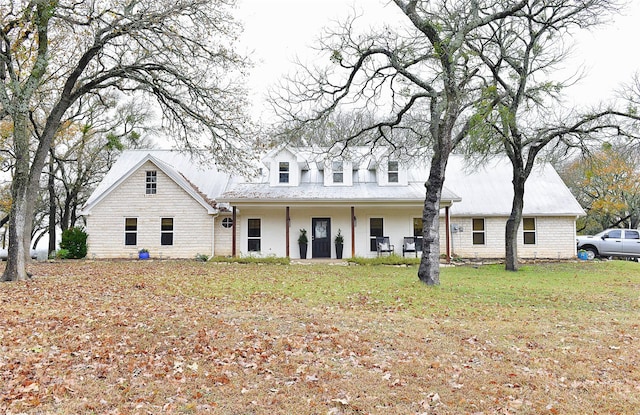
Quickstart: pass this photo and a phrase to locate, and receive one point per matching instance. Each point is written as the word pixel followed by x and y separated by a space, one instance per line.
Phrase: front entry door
pixel 321 238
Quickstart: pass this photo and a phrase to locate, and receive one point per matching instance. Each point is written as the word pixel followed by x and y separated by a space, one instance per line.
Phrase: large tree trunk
pixel 19 215
pixel 429 270
pixel 513 223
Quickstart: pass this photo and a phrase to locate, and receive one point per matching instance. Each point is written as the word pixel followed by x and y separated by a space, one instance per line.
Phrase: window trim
pixel 169 233
pixel 131 232
pixel 478 232
pixel 284 171
pixel 257 239
pixel 337 170
pixel 151 182
pixel 227 222
pixel 393 171
pixel 533 231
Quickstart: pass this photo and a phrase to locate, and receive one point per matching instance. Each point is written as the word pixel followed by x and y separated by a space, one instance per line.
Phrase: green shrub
pixel 62 253
pixel 74 240
pixel 202 257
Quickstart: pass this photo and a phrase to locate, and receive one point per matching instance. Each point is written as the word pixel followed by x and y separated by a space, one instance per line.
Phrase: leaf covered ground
pixel 181 337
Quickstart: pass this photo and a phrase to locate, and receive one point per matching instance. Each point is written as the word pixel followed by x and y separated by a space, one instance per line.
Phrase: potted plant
pixel 143 253
pixel 339 241
pixel 302 243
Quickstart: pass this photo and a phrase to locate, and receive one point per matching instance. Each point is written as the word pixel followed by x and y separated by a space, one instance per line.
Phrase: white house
pixel 361 194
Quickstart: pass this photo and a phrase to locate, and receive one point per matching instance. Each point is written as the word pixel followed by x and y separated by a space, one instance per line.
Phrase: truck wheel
pixel 591 253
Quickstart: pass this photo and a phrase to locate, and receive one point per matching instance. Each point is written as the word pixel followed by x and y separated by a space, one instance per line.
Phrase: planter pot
pixel 303 251
pixel 339 250
pixel 143 255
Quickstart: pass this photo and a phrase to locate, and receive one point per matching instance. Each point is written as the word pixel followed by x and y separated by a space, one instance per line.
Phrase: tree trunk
pixel 513 223
pixel 19 215
pixel 52 208
pixel 429 270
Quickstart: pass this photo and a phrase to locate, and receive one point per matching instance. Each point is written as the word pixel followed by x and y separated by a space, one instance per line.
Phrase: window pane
pixel 227 222
pixel 478 238
pixel 615 234
pixel 254 245
pixel 478 224
pixel 529 238
pixel 151 183
pixel 167 224
pixel 254 228
pixel 529 224
pixel 417 226
pixel 130 238
pixel 284 171
pixel 631 235
pixel 375 229
pixel 131 224
pixel 166 238
pixel 338 178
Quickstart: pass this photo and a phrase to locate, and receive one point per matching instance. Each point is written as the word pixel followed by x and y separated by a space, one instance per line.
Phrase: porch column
pixel 287 224
pixel 447 233
pixel 353 231
pixel 233 232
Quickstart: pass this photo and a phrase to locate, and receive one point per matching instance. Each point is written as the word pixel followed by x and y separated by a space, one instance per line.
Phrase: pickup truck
pixel 611 242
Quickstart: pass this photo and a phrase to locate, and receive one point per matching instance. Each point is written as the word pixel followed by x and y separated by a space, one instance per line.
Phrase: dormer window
pixel 392 171
pixel 284 172
pixel 151 182
pixel 338 172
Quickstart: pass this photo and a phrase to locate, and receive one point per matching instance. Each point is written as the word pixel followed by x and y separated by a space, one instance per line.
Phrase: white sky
pixel 276 31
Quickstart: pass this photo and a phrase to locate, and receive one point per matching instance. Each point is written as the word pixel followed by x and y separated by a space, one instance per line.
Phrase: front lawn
pixel 140 337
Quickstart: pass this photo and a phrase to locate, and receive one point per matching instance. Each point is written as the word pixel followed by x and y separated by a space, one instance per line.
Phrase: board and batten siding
pixel 193 227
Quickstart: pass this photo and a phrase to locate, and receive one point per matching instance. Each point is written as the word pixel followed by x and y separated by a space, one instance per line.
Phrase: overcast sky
pixel 279 30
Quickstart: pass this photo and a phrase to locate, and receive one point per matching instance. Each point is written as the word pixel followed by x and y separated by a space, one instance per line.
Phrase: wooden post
pixel 233 233
pixel 447 233
pixel 353 231
pixel 287 225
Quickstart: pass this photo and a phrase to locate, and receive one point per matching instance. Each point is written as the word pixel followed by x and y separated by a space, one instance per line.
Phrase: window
pixel 478 232
pixel 131 231
pixel 166 231
pixel 152 182
pixel 253 230
pixel 392 169
pixel 227 222
pixel 338 172
pixel 631 234
pixel 529 230
pixel 614 234
pixel 375 229
pixel 417 227
pixel 284 172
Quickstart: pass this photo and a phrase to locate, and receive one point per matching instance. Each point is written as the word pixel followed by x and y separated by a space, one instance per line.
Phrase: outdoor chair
pixel 384 246
pixel 409 245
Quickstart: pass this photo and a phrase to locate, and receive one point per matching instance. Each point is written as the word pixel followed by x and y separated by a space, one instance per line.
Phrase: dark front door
pixel 321 238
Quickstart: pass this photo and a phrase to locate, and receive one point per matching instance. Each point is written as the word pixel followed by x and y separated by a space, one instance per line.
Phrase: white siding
pixel 193 226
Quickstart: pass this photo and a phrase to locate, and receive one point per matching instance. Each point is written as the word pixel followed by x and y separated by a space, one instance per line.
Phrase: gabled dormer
pixel 338 172
pixel 389 171
pixel 285 167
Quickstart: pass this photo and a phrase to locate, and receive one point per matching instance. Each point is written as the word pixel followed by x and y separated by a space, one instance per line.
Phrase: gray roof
pixel 487 190
pixel 204 183
pixel 317 192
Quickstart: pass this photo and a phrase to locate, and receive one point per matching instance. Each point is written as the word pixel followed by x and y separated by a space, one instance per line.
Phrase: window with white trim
pixel 376 229
pixel 529 231
pixel 130 231
pixel 254 233
pixel 478 233
pixel 392 171
pixel 338 171
pixel 283 170
pixel 227 223
pixel 166 231
pixel 151 182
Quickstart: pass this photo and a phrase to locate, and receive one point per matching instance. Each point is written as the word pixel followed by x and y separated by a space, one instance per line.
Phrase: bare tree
pixel 423 71
pixel 521 53
pixel 53 54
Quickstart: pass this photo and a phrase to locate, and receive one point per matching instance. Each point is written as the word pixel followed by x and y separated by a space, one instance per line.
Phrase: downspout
pixel 213 233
